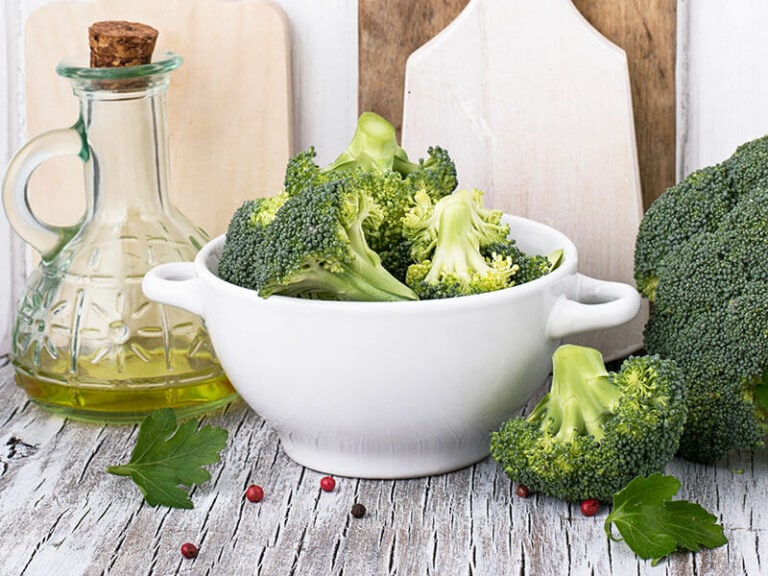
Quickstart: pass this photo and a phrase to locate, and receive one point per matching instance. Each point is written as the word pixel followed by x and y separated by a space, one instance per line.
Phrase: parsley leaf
pixel 654 526
pixel 167 456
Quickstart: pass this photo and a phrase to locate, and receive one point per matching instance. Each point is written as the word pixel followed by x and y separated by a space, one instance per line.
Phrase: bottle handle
pixel 45 238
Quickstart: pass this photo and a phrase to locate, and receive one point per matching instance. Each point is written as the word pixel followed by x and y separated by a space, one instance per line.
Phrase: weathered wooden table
pixel 62 514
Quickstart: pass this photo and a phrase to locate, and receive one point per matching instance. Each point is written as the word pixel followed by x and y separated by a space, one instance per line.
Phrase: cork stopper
pixel 118 43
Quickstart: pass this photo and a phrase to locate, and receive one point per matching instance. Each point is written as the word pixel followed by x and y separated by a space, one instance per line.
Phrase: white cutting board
pixel 535 107
pixel 229 104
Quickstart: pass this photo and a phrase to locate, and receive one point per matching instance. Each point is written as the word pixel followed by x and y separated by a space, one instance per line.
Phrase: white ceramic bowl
pixel 393 389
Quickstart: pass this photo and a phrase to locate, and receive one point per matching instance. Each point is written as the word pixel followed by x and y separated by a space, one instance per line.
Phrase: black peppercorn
pixel 358 510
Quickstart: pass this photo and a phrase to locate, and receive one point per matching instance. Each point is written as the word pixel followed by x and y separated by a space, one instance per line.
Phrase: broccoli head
pixel 315 247
pixel 710 298
pixel 595 430
pixel 244 238
pixel 393 180
pixel 461 248
pixel 529 266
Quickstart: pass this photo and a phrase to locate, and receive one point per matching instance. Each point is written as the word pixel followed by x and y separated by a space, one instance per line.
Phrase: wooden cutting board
pixel 229 104
pixel 535 107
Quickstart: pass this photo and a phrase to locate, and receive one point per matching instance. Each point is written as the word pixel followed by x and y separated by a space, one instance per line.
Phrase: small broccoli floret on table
pixel 315 247
pixel 595 430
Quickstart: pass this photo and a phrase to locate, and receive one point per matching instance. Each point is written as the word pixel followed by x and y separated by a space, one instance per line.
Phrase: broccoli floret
pixel 529 266
pixel 695 205
pixel 244 237
pixel 710 300
pixel 373 147
pixel 393 180
pixel 315 247
pixel 595 430
pixel 302 172
pixel 436 175
pixel 461 248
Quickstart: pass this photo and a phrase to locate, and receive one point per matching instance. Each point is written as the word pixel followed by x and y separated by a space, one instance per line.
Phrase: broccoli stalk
pixel 581 399
pixel 595 430
pixel 373 147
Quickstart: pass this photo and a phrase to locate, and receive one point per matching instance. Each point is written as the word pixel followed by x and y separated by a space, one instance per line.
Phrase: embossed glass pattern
pixel 86 341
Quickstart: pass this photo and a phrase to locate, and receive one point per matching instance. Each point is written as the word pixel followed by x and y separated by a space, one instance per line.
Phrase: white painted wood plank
pixel 61 513
pixel 535 107
pixel 723 79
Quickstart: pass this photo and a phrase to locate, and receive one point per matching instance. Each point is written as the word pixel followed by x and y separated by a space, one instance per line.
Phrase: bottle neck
pixel 127 172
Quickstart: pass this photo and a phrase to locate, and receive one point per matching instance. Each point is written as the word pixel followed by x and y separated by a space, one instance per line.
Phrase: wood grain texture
pixel 647 31
pixel 391 29
pixel 229 104
pixel 60 513
pixel 535 108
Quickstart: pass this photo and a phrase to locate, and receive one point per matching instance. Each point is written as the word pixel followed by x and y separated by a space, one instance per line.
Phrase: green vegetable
pixel 462 248
pixel 393 182
pixel 245 236
pixel 350 230
pixel 316 247
pixel 654 526
pixel 167 456
pixel 700 259
pixel 595 430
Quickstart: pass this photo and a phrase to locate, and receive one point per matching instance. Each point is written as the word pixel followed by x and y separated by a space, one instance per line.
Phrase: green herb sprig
pixel 167 456
pixel 654 526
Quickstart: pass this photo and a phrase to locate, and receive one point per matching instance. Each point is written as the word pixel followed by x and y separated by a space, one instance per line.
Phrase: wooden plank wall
pixel 389 30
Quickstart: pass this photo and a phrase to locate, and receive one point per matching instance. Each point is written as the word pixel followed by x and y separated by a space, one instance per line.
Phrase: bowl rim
pixel 210 252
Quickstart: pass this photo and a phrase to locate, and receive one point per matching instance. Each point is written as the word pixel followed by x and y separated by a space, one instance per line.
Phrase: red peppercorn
pixel 590 507
pixel 522 491
pixel 189 550
pixel 327 483
pixel 254 493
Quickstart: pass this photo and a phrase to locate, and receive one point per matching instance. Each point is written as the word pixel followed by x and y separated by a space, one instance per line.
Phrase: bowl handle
pixel 591 304
pixel 175 284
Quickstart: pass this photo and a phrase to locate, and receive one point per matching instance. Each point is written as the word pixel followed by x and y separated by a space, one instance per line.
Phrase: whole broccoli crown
pixel 315 247
pixel 700 258
pixel 710 316
pixel 244 237
pixel 595 430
